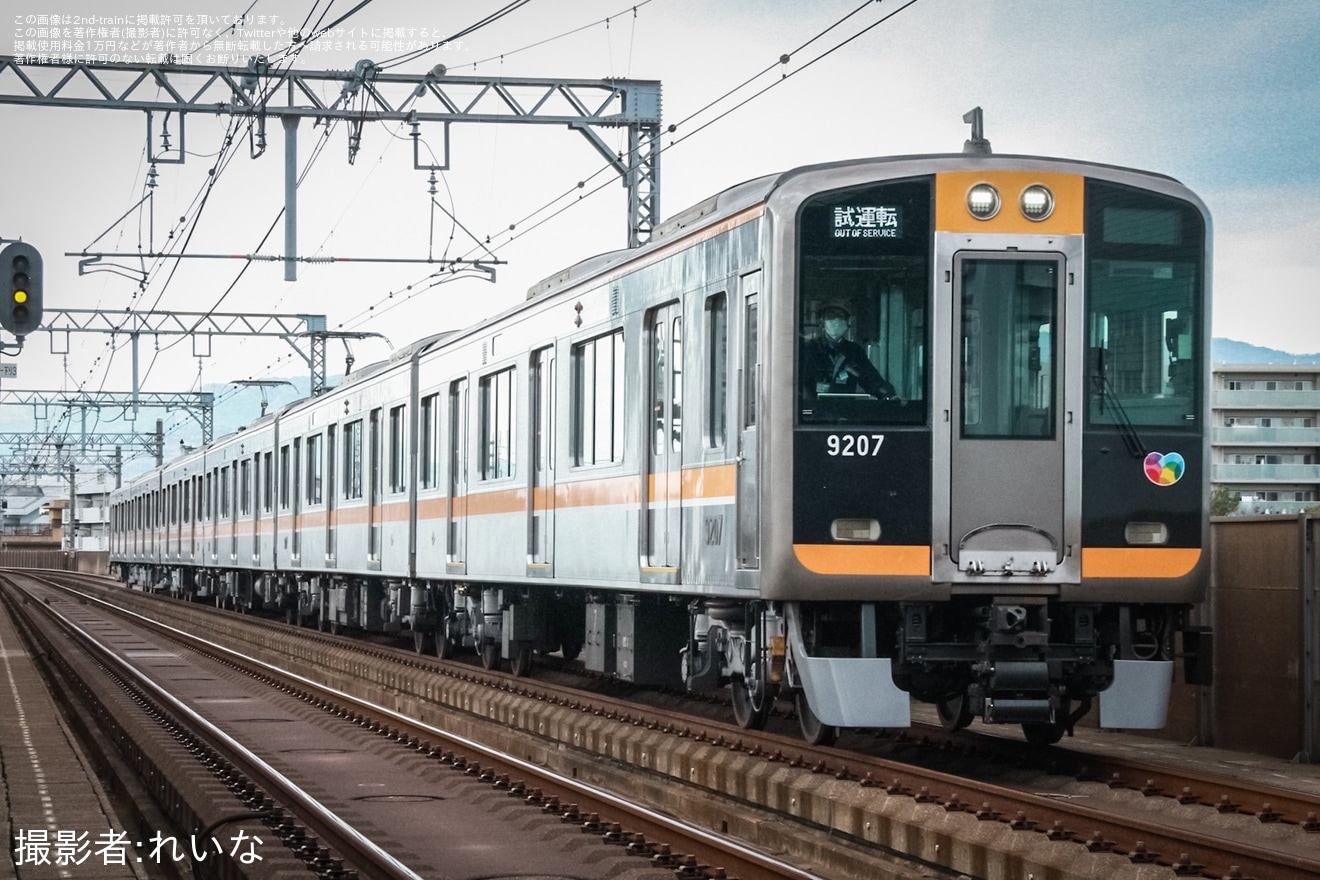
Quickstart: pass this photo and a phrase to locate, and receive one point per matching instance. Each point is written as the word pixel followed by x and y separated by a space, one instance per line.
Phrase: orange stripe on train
pixel 864 559
pixel 1139 562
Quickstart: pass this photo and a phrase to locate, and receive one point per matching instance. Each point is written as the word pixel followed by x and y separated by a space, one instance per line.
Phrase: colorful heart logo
pixel 1164 469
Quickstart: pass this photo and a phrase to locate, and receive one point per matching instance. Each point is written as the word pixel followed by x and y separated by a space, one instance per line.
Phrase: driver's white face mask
pixel 835 328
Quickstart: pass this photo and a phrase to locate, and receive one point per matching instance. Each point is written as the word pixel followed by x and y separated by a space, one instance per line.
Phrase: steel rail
pixel 706 847
pixel 338 835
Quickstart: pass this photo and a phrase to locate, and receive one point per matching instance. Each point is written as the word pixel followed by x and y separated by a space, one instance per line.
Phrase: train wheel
pixel 521 662
pixel 814 730
pixel 490 655
pixel 419 640
pixel 570 650
pixel 444 645
pixel 752 701
pixel 955 712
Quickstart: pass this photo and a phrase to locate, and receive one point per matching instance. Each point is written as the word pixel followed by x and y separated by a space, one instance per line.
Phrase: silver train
pixel 926 427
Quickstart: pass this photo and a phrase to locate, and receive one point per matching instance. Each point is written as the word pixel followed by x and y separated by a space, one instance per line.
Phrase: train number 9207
pixel 854 445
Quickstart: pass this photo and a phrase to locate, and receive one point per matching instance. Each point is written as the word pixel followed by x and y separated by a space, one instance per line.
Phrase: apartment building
pixel 1265 435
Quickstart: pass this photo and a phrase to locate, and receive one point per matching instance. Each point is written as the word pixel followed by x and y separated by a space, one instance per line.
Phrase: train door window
pixel 398 460
pixel 352 481
pixel 315 469
pixel 598 409
pixel 751 364
pixel 267 481
pixel 187 500
pixel 676 383
pixel 426 452
pixel 1144 302
pixel 542 403
pixel 864 281
pixel 224 492
pixel 1008 374
pixel 717 370
pixel 245 488
pixel 284 477
pixel 210 498
pixel 497 430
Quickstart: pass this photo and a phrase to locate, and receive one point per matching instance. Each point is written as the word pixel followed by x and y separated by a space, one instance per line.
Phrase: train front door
pixel 664 400
pixel 1006 480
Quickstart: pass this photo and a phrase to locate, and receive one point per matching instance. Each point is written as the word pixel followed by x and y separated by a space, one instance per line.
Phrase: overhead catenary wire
pixel 519 228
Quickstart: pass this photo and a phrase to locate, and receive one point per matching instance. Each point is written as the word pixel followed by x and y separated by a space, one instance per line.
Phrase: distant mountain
pixel 1230 351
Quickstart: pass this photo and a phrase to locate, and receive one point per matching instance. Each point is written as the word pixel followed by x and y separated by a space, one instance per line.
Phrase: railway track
pixel 331 846
pixel 1257 831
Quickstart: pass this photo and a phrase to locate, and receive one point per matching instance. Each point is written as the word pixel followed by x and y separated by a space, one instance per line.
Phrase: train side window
pixel 598 365
pixel 717 370
pixel 497 429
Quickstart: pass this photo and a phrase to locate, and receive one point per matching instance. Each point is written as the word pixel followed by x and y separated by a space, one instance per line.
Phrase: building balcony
pixel 1256 399
pixel 101 515
pixel 1299 474
pixel 1247 435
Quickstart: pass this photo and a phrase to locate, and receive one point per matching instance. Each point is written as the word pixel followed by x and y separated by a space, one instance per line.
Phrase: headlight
pixel 1037 202
pixel 983 201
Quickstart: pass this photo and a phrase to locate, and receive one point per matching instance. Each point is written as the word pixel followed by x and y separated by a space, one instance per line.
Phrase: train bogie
pixel 930 428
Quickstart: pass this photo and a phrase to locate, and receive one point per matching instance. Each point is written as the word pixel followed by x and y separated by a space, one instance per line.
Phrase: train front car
pixel 991 374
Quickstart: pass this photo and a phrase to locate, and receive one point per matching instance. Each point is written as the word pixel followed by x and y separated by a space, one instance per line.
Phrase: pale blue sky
pixel 1221 95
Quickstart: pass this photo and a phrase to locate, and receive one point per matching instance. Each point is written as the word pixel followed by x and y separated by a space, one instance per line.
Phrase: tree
pixel 1224 501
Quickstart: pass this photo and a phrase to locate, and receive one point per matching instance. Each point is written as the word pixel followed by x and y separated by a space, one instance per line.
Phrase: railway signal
pixel 21 276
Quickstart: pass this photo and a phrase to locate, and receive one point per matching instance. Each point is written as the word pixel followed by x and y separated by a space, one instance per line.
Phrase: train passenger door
pixel 664 478
pixel 541 508
pixel 331 487
pixel 373 486
pixel 457 546
pixel 748 487
pixel 1007 463
pixel 295 500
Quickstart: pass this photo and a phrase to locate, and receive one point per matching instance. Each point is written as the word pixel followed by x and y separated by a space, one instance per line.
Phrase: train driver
pixel 833 364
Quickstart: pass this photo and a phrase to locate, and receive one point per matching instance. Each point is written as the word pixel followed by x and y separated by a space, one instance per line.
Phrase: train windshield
pixel 863 282
pixel 1145 301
